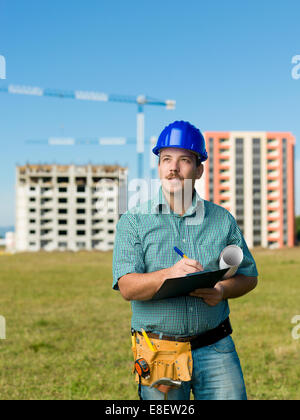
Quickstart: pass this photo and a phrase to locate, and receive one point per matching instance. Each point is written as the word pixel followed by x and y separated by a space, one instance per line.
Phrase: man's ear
pixel 200 170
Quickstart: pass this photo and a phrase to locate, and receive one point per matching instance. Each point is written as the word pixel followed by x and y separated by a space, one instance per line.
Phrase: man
pixel 144 259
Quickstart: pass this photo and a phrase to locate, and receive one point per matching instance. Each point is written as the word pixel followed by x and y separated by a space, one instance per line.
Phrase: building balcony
pixel 273 172
pixel 224 176
pixel 272 143
pixel 273 196
pixel 273 215
pixel 47 213
pixel 47 234
pixel 272 154
pixel 273 212
pixel 224 155
pixel 224 167
pixel 47 203
pixel 273 236
pixel 273 166
pixel 47 192
pixel 224 202
pixel 224 147
pixel 273 228
pixel 225 185
pixel 273 244
pixel 272 177
pixel 47 245
pixel 98 225
pixel 47 225
pixel 273 208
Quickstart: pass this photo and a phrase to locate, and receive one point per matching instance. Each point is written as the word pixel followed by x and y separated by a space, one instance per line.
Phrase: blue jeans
pixel 217 375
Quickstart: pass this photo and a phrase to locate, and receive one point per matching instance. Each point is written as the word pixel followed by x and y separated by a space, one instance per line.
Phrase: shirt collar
pixel 160 204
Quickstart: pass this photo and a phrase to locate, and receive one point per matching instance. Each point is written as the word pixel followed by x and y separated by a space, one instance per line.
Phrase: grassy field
pixel 68 333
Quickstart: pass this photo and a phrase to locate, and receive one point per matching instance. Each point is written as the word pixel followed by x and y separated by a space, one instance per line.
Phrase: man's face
pixel 176 166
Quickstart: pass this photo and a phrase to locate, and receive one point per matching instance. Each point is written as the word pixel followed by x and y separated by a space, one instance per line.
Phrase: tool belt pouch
pixel 171 360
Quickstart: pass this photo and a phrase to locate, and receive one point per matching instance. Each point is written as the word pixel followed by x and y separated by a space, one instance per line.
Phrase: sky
pixel 228 64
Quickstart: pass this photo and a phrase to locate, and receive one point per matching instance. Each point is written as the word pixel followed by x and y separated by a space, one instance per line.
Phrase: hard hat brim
pixel 156 150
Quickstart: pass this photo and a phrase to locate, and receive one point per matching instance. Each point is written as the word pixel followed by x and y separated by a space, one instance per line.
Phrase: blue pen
pixel 179 252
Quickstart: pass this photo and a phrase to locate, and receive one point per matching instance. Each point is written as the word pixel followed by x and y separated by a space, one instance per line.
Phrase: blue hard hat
pixel 183 135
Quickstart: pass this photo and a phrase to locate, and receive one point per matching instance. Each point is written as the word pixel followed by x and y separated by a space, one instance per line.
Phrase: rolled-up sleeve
pixel 247 266
pixel 128 256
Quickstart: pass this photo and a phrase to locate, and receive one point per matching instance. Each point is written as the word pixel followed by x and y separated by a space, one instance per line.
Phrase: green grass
pixel 68 333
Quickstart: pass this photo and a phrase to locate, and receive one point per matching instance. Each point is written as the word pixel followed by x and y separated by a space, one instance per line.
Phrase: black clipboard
pixel 182 286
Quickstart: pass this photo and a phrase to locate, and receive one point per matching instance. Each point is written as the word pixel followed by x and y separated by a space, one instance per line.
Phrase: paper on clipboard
pixel 229 261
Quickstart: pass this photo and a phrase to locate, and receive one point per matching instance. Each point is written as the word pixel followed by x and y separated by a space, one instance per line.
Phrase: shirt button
pixel 183 240
pixel 191 309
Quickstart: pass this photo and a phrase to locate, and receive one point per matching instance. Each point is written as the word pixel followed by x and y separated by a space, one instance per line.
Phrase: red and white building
pixel 251 174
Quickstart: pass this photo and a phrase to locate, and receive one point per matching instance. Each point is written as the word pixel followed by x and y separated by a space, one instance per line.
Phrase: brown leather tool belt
pixel 201 340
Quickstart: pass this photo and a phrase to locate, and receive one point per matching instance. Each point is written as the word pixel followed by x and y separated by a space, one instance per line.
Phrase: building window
pixel 63 222
pixel 62 244
pixel 80 222
pixel 62 180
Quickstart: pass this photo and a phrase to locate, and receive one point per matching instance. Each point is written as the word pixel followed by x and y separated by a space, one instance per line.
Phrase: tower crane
pixel 141 101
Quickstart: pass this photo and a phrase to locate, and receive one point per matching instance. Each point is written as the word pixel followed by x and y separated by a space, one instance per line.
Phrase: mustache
pixel 173 176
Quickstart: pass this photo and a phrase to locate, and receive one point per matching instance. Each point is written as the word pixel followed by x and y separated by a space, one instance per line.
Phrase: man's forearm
pixel 136 286
pixel 238 286
pixel 141 286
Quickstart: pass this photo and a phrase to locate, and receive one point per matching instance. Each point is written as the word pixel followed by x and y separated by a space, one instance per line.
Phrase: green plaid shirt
pixel 144 243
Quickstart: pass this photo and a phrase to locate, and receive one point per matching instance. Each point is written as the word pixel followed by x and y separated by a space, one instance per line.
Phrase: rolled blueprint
pixel 231 257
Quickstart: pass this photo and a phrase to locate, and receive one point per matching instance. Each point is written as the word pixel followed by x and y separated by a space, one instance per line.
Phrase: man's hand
pixel 142 286
pixel 233 287
pixel 183 267
pixel 210 296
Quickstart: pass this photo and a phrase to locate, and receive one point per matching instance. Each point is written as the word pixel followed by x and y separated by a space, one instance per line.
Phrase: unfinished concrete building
pixel 68 207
